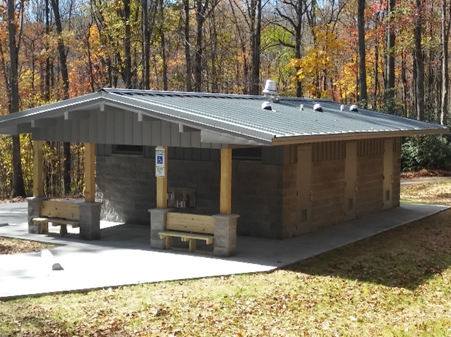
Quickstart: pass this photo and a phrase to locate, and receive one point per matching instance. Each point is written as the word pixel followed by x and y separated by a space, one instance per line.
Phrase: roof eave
pixel 303 139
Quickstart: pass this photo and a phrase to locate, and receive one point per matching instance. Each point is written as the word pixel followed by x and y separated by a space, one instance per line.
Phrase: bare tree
pixel 419 62
pixel 445 29
pixel 18 187
pixel 62 54
pixel 390 83
pixel 362 53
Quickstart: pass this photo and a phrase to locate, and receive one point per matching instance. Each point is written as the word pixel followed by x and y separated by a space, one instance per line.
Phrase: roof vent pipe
pixel 317 107
pixel 354 108
pixel 266 106
pixel 270 90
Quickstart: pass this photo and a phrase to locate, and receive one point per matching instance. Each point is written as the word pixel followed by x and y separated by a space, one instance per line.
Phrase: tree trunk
pixel 189 86
pixel 362 54
pixel 18 187
pixel 419 63
pixel 256 8
pixel 163 46
pixel 444 106
pixel 200 19
pixel 390 85
pixel 127 46
pixel 62 54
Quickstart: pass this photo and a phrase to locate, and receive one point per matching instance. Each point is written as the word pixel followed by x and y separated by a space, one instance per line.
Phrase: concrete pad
pixel 124 256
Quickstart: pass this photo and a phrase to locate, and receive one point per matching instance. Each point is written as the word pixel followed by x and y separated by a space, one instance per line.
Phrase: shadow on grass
pixel 403 257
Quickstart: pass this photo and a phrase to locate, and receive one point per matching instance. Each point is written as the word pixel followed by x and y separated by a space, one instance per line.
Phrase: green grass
pixel 394 284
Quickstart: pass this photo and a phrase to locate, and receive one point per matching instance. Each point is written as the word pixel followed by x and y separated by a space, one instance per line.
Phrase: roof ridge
pixel 177 93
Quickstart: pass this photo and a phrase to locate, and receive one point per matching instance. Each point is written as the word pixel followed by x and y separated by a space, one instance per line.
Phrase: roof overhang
pixel 134 117
pixel 304 139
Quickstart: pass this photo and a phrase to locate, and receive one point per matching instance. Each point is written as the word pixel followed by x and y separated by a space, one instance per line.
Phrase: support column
pixel 90 210
pixel 157 224
pixel 225 234
pixel 90 220
pixel 34 203
pixel 34 211
pixel 38 169
pixel 162 183
pixel 90 172
pixel 225 200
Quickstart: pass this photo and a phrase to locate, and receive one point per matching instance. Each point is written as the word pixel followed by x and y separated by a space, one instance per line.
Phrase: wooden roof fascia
pixel 304 139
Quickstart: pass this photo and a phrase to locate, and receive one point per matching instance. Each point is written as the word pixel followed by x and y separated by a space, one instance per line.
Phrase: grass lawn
pixel 394 284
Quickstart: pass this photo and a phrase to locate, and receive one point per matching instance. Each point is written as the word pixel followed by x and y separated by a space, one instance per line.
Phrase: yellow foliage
pixel 319 60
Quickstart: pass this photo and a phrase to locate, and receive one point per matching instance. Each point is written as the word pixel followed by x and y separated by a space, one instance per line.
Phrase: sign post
pixel 161 173
pixel 160 161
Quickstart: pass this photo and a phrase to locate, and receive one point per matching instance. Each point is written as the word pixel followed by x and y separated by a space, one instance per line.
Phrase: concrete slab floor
pixel 124 256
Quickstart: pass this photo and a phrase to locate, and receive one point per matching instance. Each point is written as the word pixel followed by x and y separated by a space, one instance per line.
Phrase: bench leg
pixel 43 228
pixel 168 242
pixel 63 230
pixel 192 245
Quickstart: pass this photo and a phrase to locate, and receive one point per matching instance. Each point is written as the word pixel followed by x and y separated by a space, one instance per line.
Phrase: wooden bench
pixel 58 213
pixel 189 228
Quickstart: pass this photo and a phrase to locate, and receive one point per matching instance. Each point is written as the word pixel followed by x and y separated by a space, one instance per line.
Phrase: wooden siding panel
pixel 128 127
pixel 110 127
pixel 118 127
pixel 101 127
pixel 137 133
pixel 156 133
pixel 147 133
pixel 175 135
pixel 92 134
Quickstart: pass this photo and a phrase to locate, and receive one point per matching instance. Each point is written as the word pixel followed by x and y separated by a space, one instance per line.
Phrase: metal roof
pixel 229 119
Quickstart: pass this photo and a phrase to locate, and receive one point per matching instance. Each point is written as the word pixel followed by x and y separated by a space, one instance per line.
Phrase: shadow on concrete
pixel 404 257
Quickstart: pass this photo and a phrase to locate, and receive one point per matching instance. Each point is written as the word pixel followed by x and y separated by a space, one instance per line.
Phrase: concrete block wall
pixel 291 211
pixel 370 179
pixel 126 187
pixel 396 171
pixel 328 193
pixel 257 198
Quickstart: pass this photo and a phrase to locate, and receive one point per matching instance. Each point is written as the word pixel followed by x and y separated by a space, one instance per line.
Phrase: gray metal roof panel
pixel 239 115
pixel 286 118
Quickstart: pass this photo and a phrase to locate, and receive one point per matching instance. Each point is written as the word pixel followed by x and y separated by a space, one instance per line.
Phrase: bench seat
pixel 185 237
pixel 43 222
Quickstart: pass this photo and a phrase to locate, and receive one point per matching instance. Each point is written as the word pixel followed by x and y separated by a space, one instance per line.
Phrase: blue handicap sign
pixel 160 160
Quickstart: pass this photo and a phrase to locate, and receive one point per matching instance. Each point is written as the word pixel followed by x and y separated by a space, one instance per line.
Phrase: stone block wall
pixel 328 193
pixel 257 198
pixel 370 177
pixel 126 187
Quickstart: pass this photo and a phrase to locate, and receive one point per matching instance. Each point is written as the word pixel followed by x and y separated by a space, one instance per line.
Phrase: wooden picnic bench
pixel 189 228
pixel 58 213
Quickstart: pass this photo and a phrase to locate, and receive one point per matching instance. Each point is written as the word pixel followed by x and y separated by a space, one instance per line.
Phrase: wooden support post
pixel 90 172
pixel 162 183
pixel 225 201
pixel 38 169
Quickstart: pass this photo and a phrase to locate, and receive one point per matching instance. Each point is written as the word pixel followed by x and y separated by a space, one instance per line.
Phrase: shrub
pixel 425 152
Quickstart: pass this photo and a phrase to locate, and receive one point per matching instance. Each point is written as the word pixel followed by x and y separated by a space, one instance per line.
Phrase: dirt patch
pixel 426 173
pixel 16 246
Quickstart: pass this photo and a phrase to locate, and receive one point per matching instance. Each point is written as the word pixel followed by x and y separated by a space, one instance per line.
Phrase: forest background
pixel 390 56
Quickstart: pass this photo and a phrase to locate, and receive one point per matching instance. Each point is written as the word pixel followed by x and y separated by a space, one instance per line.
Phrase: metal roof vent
pixel 318 108
pixel 270 90
pixel 354 108
pixel 266 106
